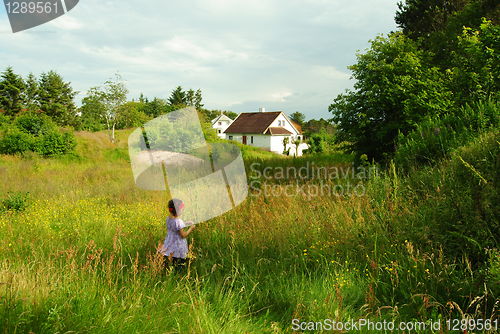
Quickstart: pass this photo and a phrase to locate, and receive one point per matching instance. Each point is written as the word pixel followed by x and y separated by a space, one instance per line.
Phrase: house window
pixel 251 139
pixel 220 131
pixel 220 123
pixel 230 137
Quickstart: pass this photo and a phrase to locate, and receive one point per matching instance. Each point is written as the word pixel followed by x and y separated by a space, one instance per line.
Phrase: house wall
pixel 280 120
pixel 271 143
pixel 277 144
pixel 259 140
pixel 221 128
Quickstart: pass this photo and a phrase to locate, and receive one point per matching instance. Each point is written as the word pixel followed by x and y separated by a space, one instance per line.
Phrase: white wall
pixel 220 128
pixel 259 140
pixel 282 121
pixel 271 143
pixel 277 144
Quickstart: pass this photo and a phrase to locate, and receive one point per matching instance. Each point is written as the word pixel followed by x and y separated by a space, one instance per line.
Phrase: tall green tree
pixel 31 93
pixel 11 92
pixel 318 125
pixel 190 95
pixel 129 115
pixel 298 117
pixel 474 65
pixel 102 104
pixel 155 107
pixel 198 99
pixel 177 97
pixel 92 111
pixel 394 89
pixel 421 18
pixel 56 98
pixel 180 98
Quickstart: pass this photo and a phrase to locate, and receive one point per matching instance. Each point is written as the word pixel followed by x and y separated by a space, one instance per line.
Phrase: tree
pixel 130 116
pixel 395 89
pixel 113 96
pixel 298 117
pixel 198 99
pixel 474 65
pixel 189 100
pixel 31 93
pixel 318 125
pixel 56 98
pixel 177 97
pixel 11 92
pixel 156 107
pixel 420 18
pixel 92 112
pixel 108 99
pixel 211 114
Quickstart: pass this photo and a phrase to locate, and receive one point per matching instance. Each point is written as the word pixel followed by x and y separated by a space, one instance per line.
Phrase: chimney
pixel 262 109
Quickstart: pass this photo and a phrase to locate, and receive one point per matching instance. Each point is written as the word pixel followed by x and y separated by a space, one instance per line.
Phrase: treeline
pixel 49 94
pixel 47 104
pixel 319 134
pixel 444 58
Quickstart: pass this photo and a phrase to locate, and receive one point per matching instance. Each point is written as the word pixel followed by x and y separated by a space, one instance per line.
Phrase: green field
pixel 78 248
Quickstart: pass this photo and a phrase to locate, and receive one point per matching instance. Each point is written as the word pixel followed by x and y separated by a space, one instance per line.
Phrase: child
pixel 175 247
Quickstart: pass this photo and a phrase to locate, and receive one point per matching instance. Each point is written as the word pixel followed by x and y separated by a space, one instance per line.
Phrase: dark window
pixel 230 137
pixel 251 139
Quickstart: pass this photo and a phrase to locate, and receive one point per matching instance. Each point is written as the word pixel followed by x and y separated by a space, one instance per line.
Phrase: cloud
pixel 66 22
pixel 282 54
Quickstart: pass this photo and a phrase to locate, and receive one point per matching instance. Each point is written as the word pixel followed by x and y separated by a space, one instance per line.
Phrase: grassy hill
pixel 78 253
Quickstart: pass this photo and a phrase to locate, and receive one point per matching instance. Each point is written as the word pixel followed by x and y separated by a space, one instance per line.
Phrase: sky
pixel 289 55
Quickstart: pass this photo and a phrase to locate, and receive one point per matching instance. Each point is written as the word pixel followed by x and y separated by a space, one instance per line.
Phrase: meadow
pixel 78 246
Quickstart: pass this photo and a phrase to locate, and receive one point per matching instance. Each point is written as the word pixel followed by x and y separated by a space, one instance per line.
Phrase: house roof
pixel 297 126
pixel 252 122
pixel 221 118
pixel 277 131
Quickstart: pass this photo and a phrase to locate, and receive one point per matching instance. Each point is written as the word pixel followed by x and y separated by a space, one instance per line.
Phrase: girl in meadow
pixel 175 246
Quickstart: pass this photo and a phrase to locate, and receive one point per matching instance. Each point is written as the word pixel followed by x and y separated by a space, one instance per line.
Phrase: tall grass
pixel 81 256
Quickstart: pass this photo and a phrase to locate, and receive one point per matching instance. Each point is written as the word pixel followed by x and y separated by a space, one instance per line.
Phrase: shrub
pixel 55 143
pixel 15 141
pixel 15 201
pixel 35 124
pixel 4 120
pixel 37 133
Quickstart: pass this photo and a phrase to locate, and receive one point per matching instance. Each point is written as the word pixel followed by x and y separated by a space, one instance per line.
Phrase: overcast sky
pixel 289 55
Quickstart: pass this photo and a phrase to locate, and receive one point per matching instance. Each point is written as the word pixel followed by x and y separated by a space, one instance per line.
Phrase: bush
pixel 17 201
pixel 55 143
pixel 35 124
pixel 4 120
pixel 15 141
pixel 37 133
pixel 437 136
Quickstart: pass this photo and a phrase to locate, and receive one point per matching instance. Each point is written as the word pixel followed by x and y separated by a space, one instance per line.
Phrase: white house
pixel 267 130
pixel 220 124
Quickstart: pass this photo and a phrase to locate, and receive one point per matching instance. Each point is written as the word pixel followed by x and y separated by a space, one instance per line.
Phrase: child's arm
pixel 184 234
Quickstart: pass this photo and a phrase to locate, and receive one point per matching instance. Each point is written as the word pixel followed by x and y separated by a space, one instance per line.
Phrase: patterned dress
pixel 174 243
